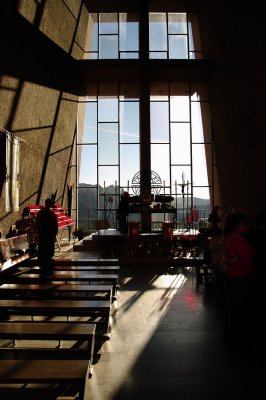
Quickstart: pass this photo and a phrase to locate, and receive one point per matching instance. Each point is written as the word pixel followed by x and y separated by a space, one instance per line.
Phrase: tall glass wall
pixel 108 143
pixel 181 145
pixel 107 150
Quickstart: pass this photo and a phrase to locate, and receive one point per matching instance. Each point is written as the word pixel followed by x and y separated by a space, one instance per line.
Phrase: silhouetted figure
pixel 47 227
pixel 122 212
pixel 257 238
pixel 27 225
pixel 214 218
pixel 239 282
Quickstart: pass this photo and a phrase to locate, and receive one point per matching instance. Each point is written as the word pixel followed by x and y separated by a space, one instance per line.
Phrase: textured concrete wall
pixel 233 38
pixel 43 116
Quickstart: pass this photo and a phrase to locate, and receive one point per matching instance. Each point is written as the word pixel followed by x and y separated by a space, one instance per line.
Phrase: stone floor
pixel 166 341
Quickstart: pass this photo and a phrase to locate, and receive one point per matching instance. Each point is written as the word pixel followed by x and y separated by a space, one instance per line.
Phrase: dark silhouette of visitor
pixel 122 212
pixel 257 238
pixel 47 227
pixel 239 282
pixel 214 218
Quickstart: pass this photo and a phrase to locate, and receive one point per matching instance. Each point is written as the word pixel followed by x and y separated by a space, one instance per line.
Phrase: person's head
pixel 25 212
pixel 236 223
pixel 48 203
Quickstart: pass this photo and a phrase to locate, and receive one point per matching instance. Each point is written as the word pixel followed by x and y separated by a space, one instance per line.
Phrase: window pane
pixel 199 165
pixel 160 161
pixel 159 122
pixel 128 56
pixel 108 47
pixel 178 47
pixel 87 200
pixel 108 144
pixel 180 144
pixel 87 160
pixel 108 109
pixel 200 193
pixel 201 122
pixel 158 31
pixel 158 55
pixel 129 122
pixel 196 123
pixel 108 176
pixel 108 23
pixel 92 35
pixel 90 125
pixel 177 23
pixel 179 108
pixel 128 34
pixel 129 163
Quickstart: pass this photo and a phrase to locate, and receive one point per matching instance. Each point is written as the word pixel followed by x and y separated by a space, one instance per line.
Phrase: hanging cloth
pixel 12 172
pixel 69 199
pixel 2 162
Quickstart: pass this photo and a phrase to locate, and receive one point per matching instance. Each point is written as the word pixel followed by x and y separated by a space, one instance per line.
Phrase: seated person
pixel 27 225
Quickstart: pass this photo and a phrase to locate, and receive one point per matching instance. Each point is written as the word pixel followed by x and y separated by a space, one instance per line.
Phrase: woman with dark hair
pixel 239 281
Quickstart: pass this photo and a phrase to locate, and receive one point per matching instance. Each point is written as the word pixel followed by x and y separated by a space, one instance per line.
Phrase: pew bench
pixel 44 371
pixel 96 312
pixel 56 291
pixel 19 332
pixel 68 277
pixel 77 262
pixel 13 251
pixel 105 269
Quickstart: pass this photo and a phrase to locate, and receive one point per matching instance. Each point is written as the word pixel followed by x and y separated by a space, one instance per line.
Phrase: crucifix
pixel 183 185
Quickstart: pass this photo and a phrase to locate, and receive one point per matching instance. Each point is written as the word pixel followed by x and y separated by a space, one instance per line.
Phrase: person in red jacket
pixel 239 281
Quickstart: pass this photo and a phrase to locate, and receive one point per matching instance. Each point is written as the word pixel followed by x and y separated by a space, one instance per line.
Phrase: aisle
pixel 167 343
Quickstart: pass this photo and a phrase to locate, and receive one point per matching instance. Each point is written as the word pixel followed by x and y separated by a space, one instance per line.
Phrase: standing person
pixel 257 238
pixel 214 218
pixel 239 281
pixel 47 226
pixel 122 212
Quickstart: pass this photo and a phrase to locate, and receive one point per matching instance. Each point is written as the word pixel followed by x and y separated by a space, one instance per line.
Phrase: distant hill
pixel 87 200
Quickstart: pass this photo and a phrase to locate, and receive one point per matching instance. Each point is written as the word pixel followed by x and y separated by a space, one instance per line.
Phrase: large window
pixel 176 131
pixel 174 36
pixel 112 36
pixel 181 144
pixel 108 150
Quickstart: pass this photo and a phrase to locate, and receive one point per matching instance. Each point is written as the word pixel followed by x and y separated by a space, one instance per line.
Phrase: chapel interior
pixel 66 67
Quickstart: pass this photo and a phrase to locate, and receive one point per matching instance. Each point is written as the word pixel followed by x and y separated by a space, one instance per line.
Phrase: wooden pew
pixel 56 291
pixel 89 277
pixel 49 331
pixel 99 268
pixel 79 261
pixel 97 312
pixel 45 372
pixel 12 253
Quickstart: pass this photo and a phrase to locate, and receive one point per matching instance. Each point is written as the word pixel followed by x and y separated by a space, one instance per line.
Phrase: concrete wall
pixel 233 36
pixel 34 105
